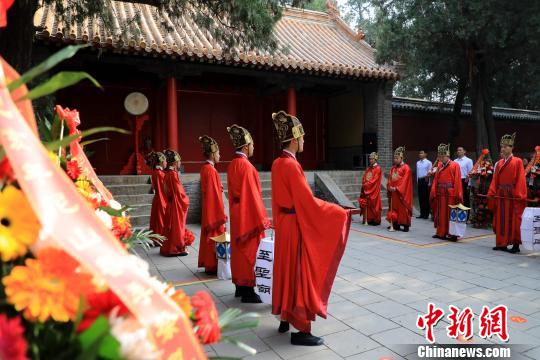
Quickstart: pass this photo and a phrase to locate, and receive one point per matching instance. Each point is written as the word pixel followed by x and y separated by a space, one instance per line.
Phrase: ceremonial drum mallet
pixel 391 217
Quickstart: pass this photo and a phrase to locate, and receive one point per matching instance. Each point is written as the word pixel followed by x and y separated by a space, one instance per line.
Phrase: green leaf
pixel 46 65
pixel 54 145
pixel 113 212
pixel 97 341
pixel 44 129
pixel 233 320
pixel 241 345
pixel 59 81
pixel 88 142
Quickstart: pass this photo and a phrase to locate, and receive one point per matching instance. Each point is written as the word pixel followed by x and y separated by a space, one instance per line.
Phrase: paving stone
pixel 388 308
pixel 281 345
pixel 363 297
pixel 376 354
pixel 350 342
pixel 405 296
pixel 370 324
pixel 325 354
pixel 225 349
pixel 399 340
pixel 330 325
pixel 266 355
pixel 345 310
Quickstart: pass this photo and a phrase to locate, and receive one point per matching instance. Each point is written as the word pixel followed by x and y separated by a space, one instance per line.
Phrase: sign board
pixel 530 229
pixel 264 268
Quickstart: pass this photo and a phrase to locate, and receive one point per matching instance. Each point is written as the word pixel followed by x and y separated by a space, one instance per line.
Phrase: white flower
pixel 133 338
pixel 115 204
pixel 105 218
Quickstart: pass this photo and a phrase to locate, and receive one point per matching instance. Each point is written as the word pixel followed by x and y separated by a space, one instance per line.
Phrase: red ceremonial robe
pixel 371 191
pixel 401 199
pixel 159 203
pixel 310 237
pixel 213 216
pixel 248 219
pixel 178 237
pixel 445 190
pixel 507 196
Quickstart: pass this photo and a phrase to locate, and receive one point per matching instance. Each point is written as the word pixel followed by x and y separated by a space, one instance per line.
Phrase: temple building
pixel 324 73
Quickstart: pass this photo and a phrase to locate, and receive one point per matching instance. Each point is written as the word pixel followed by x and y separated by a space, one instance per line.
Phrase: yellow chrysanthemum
pixel 19 226
pixel 84 186
pixel 54 157
pixel 50 286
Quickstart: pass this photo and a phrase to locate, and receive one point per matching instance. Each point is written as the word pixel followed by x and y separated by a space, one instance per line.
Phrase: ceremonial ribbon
pixel 71 117
pixel 56 203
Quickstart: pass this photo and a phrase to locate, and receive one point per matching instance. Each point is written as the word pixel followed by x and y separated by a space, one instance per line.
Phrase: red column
pixel 291 101
pixel 172 115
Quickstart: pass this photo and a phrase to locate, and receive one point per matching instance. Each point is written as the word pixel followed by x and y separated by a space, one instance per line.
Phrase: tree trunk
pixel 488 112
pixel 456 112
pixel 17 38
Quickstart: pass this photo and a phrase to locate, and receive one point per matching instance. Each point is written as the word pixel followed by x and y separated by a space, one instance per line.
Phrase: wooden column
pixel 172 115
pixel 291 100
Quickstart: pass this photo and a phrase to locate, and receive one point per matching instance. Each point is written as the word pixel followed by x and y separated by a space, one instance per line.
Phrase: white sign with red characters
pixel 491 322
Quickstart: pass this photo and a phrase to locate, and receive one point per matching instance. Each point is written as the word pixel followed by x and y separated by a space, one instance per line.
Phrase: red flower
pixel 121 227
pixel 101 304
pixel 73 169
pixel 485 151
pixel 13 345
pixel 362 202
pixel 6 172
pixel 206 317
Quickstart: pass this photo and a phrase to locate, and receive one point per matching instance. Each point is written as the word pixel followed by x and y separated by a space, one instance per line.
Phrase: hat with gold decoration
pixel 508 140
pixel 400 151
pixel 374 156
pixel 171 156
pixel 288 127
pixel 209 145
pixel 443 149
pixel 240 136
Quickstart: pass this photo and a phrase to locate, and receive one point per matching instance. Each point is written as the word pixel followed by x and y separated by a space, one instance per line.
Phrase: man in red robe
pixel 446 190
pixel 178 236
pixel 507 197
pixel 370 196
pixel 399 190
pixel 157 161
pixel 310 237
pixel 247 212
pixel 213 212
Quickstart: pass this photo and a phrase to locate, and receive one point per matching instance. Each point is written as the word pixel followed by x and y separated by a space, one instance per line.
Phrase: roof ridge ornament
pixel 332 8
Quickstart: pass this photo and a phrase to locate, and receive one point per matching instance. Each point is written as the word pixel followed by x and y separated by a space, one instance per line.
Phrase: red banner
pixel 57 203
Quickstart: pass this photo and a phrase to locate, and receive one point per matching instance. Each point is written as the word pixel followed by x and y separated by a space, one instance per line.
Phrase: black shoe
pixel 210 272
pixel 514 249
pixel 405 228
pixel 250 297
pixel 373 223
pixel 239 290
pixel 451 238
pixel 436 236
pixel 305 339
pixel 420 217
pixel 500 248
pixel 283 327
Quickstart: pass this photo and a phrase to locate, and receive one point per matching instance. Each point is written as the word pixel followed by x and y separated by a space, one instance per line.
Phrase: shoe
pixel 373 223
pixel 500 248
pixel 210 272
pixel 405 228
pixel 451 238
pixel 183 253
pixel 420 217
pixel 305 339
pixel 514 249
pixel 249 296
pixel 283 326
pixel 436 236
pixel 239 290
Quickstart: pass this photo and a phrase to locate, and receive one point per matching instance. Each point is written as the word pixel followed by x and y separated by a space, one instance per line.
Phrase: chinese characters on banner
pixel 530 229
pixel 264 266
pixel 491 322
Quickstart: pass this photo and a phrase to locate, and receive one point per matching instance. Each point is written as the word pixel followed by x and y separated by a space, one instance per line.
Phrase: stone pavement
pixel 384 282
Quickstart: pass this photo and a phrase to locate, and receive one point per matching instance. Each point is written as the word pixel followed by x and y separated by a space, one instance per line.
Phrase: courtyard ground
pixel 384 282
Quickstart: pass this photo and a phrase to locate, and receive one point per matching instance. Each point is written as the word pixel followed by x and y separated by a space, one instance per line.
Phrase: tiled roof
pixel 420 105
pixel 314 42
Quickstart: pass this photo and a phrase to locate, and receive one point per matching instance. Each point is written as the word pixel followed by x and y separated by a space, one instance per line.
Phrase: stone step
pixel 124 179
pixel 347 188
pixel 143 209
pixel 140 199
pixel 130 189
pixel 140 221
pixel 267 202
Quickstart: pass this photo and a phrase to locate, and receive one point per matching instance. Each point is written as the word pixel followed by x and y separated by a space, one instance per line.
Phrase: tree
pixel 473 48
pixel 245 23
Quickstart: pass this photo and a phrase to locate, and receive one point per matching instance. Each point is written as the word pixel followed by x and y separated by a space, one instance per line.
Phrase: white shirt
pixel 210 162
pixel 241 153
pixel 422 168
pixel 465 165
pixel 290 153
